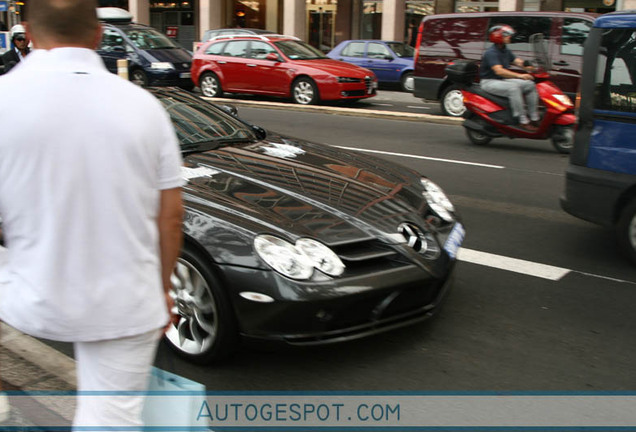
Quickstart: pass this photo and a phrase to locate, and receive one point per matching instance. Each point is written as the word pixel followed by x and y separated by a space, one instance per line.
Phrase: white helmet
pixel 16 30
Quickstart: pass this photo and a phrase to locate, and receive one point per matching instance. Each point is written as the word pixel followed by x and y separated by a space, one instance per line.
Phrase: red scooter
pixel 489 116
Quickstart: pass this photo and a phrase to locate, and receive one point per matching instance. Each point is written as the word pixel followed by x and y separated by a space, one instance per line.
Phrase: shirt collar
pixel 68 59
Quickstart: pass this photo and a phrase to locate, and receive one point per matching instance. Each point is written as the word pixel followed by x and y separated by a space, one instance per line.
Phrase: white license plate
pixel 184 75
pixel 454 240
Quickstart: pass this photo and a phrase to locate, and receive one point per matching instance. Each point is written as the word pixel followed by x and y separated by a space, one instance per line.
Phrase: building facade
pixel 322 23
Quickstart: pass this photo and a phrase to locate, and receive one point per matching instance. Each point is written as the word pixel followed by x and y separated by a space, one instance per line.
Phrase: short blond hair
pixel 63 21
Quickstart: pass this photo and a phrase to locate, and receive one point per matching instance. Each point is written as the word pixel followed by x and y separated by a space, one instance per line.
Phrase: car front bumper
pixel 323 313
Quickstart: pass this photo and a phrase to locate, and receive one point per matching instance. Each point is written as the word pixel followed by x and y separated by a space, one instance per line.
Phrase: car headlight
pixel 437 200
pixel 348 80
pixel 297 261
pixel 161 65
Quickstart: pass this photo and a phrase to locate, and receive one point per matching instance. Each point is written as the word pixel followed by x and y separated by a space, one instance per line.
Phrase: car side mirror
pixel 272 57
pixel 388 57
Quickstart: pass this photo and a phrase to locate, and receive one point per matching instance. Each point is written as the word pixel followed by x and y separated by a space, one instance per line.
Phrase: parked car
pixel 445 38
pixel 296 242
pixel 153 58
pixel 277 65
pixel 392 62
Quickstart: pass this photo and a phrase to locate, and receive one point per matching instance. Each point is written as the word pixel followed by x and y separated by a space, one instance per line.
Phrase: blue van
pixel 601 177
pixel 153 58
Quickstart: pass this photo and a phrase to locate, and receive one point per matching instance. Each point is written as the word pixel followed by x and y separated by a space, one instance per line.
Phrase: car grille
pixel 368 83
pixel 367 256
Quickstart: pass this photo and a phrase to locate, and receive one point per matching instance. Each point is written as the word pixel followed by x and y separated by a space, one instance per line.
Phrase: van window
pixel 573 35
pixel 615 71
pixel 111 39
pixel 524 26
pixel 460 37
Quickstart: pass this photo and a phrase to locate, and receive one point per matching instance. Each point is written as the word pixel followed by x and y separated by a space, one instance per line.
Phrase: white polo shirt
pixel 83 157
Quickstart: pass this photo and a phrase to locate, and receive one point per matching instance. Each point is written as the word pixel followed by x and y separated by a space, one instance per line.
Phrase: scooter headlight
pixel 564 100
pixel 437 200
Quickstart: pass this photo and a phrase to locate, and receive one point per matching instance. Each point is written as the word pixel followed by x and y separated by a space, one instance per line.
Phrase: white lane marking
pixel 528 268
pixel 423 157
pixel 418 107
pixel 381 104
pixel 512 264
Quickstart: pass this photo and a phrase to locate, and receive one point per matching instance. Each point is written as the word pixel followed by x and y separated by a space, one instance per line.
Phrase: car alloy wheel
pixel 210 85
pixel 205 331
pixel 304 91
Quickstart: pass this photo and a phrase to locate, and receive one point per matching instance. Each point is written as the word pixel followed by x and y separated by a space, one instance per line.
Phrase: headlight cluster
pixel 297 261
pixel 437 200
pixel 348 80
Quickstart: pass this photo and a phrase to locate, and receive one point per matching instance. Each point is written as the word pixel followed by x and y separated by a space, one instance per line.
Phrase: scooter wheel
pixel 563 139
pixel 478 138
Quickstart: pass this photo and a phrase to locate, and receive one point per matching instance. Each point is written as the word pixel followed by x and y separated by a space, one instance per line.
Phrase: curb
pixel 354 112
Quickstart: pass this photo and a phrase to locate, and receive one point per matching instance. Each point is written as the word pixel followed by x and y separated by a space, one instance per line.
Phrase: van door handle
pixel 221 62
pixel 251 65
pixel 561 63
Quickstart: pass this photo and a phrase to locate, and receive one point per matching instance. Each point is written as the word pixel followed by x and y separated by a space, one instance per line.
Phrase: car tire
pixel 452 101
pixel 210 85
pixel 407 82
pixel 626 230
pixel 304 91
pixel 478 138
pixel 206 331
pixel 563 138
pixel 138 76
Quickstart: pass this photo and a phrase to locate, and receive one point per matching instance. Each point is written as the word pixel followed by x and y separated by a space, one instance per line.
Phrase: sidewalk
pixel 27 364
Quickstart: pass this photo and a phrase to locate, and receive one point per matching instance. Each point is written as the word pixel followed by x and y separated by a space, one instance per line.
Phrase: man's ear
pixel 29 35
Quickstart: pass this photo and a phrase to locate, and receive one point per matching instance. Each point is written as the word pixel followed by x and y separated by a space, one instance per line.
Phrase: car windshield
pixel 401 49
pixel 297 50
pixel 201 126
pixel 149 39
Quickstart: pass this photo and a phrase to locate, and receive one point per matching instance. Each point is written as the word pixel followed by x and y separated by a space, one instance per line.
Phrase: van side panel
pixel 444 40
pixel 612 143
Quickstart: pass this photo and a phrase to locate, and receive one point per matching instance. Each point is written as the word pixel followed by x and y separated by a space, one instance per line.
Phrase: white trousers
pixel 117 365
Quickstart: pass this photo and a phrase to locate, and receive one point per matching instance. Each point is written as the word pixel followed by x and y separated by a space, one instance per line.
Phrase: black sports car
pixel 299 242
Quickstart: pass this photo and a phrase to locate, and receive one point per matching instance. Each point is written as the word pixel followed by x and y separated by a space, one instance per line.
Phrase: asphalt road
pixel 562 320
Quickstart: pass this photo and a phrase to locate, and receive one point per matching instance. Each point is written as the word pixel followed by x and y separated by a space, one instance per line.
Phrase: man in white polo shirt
pixel 91 207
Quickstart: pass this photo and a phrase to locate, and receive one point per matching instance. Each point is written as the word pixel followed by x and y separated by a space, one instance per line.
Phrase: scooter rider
pixel 496 78
pixel 20 50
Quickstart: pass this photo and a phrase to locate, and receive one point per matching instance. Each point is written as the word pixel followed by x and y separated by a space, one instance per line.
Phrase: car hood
pixel 335 67
pixel 296 188
pixel 172 55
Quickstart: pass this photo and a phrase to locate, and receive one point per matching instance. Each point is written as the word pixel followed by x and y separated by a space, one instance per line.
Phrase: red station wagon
pixel 277 65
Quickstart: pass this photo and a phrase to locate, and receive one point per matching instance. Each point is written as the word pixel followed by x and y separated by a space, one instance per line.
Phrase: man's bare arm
pixel 169 222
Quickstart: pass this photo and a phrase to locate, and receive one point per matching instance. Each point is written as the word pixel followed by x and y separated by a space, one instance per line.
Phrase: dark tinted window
pixel 110 39
pixel 573 35
pixel 453 37
pixel 354 49
pixel 524 26
pixel 616 70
